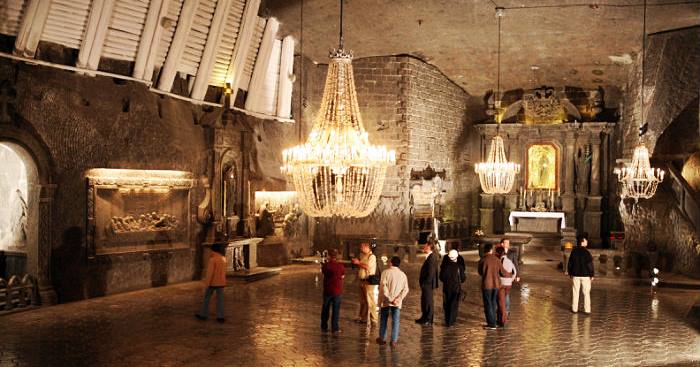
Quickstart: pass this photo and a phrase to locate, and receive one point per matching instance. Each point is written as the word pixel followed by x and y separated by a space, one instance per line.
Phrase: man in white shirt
pixel 393 288
pixel 367 268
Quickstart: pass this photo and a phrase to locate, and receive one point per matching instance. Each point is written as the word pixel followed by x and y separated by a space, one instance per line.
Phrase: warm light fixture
pixel 497 175
pixel 639 180
pixel 337 172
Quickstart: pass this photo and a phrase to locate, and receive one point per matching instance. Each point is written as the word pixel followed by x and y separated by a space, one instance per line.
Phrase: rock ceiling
pixel 570 42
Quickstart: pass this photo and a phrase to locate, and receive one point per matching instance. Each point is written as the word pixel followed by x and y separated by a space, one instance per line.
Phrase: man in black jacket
pixel 580 269
pixel 428 282
pixel 452 275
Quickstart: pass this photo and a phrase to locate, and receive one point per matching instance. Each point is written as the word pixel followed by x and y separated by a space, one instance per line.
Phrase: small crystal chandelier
pixel 497 175
pixel 337 172
pixel 639 180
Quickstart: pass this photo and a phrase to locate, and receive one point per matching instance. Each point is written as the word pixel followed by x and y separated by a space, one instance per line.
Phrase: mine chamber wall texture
pixel 96 122
pixel 672 74
pixel 411 107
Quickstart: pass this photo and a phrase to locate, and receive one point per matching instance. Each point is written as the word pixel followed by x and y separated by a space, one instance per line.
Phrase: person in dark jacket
pixel 452 275
pixel 333 274
pixel 428 282
pixel 580 269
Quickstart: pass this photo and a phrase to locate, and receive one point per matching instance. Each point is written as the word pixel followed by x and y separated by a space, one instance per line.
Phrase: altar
pixel 542 222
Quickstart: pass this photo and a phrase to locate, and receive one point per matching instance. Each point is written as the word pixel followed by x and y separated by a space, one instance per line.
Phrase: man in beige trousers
pixel 367 264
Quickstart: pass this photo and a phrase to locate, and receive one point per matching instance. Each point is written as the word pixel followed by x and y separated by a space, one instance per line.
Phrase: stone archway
pixel 20 147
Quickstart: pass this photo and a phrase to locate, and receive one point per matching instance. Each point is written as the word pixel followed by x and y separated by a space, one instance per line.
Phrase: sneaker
pixel 200 317
pixel 337 332
pixel 393 344
pixel 586 313
pixel 381 341
pixel 572 311
pixel 221 320
pixel 488 327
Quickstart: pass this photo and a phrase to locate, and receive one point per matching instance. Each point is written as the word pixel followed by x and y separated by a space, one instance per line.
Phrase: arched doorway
pixel 19 207
pixel 26 198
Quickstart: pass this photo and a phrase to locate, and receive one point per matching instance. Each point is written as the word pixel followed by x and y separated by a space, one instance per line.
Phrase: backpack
pixel 377 276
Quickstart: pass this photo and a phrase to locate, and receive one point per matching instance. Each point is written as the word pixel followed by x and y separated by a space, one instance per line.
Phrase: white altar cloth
pixel 518 214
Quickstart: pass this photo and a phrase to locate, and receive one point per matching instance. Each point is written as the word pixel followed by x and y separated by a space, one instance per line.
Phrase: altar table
pixel 537 221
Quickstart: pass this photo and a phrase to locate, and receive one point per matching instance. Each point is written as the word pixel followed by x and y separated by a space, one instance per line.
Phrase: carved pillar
pixel 217 182
pixel 510 202
pixel 593 214
pixel 595 164
pixel 47 294
pixel 568 198
pixel 486 213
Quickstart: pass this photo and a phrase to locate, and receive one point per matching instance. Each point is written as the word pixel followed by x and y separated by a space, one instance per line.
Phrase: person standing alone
pixel 366 274
pixel 580 269
pixel 393 288
pixel 428 282
pixel 215 281
pixel 452 275
pixel 333 274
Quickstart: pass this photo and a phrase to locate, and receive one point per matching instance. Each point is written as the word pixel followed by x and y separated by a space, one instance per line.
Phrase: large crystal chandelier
pixel 638 180
pixel 497 175
pixel 337 172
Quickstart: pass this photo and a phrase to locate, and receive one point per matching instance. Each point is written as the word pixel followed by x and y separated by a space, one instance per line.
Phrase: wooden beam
pixel 150 36
pixel 95 30
pixel 286 81
pixel 262 63
pixel 240 51
pixel 31 27
pixel 201 81
pixel 100 34
pixel 155 46
pixel 172 61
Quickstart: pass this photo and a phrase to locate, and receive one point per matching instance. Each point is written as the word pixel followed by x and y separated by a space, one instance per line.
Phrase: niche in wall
pixel 138 210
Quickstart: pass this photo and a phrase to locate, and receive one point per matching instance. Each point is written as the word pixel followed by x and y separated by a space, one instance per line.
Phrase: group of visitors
pixel 497 272
pixel 496 268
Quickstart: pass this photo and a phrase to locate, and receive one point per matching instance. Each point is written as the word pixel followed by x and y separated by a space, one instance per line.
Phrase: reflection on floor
pixel 275 322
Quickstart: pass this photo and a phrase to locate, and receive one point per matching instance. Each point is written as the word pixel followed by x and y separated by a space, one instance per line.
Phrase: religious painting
pixel 542 167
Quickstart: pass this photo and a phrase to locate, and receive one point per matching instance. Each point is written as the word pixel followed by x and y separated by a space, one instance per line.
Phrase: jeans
pixel 219 302
pixel 490 304
pixel 384 317
pixel 328 302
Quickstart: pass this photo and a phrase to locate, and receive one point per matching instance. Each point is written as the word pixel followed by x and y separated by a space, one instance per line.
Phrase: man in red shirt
pixel 333 274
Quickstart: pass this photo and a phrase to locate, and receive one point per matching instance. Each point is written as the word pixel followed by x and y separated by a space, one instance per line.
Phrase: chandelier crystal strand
pixel 497 175
pixel 638 180
pixel 337 172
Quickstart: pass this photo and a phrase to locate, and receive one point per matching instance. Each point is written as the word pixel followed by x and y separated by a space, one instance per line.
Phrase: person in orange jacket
pixel 214 280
